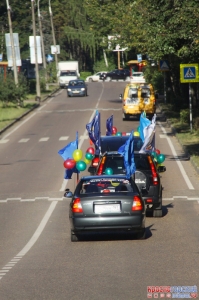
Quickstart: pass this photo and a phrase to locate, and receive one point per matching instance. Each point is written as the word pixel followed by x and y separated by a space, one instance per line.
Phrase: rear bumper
pixel 100 224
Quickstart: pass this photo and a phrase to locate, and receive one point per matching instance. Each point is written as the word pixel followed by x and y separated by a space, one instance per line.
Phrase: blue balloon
pixel 109 171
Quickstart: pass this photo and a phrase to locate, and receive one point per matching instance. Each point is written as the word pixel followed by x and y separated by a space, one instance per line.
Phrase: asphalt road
pixel 37 259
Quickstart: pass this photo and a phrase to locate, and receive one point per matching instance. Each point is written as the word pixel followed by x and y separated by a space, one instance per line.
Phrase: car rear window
pixel 116 163
pixel 110 185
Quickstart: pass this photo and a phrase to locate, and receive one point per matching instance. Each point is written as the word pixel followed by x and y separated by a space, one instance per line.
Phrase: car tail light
pixel 154 173
pixel 101 166
pixel 137 203
pixel 95 161
pixel 76 206
pixel 149 200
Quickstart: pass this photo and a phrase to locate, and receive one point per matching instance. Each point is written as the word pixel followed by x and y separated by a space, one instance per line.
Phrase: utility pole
pixel 38 97
pixel 53 32
pixel 12 43
pixel 42 45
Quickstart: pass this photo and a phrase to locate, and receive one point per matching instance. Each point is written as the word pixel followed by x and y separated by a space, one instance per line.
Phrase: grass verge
pixel 11 112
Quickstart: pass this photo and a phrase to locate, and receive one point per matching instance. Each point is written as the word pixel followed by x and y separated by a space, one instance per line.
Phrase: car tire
pixel 74 238
pixel 125 117
pixel 157 213
pixel 141 177
pixel 108 78
pixel 90 80
pixel 141 235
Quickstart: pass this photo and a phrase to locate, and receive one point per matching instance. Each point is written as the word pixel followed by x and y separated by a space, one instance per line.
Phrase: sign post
pixel 164 67
pixel 189 73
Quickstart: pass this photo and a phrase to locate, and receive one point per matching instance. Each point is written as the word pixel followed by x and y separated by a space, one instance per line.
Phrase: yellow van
pixel 138 97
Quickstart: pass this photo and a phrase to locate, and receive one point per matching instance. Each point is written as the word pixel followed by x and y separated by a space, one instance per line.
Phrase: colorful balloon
pixel 91 150
pixel 157 151
pixel 81 165
pixel 108 171
pixel 69 163
pixel 136 133
pixel 160 158
pixel 77 154
pixel 87 161
pixel 154 154
pixel 89 156
pixel 114 130
pixel 118 134
pixel 123 133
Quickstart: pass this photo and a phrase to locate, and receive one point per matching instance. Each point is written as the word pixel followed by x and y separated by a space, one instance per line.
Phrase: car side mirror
pixel 68 193
pixel 161 169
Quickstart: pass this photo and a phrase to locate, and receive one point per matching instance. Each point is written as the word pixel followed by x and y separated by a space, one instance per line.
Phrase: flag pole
pixel 77 148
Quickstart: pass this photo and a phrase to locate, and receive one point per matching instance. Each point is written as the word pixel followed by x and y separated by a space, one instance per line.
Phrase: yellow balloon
pixel 86 161
pixel 77 154
pixel 136 133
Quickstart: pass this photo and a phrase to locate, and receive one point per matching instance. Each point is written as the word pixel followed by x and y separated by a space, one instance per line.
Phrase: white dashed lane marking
pixel 23 140
pixel 44 139
pixel 3 141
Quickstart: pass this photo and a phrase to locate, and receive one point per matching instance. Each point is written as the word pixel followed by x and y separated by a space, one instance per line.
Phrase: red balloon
pixel 123 133
pixel 157 151
pixel 114 130
pixel 91 150
pixel 69 163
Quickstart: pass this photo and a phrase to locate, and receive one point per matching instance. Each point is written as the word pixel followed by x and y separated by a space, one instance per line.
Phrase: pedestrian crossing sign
pixel 189 73
pixel 163 65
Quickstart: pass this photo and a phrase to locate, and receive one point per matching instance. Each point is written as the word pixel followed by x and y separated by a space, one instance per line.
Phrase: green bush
pixel 10 92
pixel 83 75
pixel 184 116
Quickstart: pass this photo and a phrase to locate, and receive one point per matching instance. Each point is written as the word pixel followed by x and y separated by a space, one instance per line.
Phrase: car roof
pixel 113 143
pixel 103 177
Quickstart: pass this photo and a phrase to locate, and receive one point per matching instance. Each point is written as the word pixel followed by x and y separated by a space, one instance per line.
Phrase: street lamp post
pixel 12 43
pixel 42 44
pixel 38 97
pixel 53 32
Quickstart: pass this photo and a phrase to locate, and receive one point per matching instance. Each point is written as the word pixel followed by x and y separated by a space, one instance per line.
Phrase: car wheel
pixel 90 80
pixel 125 117
pixel 157 213
pixel 141 180
pixel 108 78
pixel 74 238
pixel 141 235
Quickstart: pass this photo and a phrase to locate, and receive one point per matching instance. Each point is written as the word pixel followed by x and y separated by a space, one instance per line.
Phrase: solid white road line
pixel 31 242
pixel 186 178
pixel 39 230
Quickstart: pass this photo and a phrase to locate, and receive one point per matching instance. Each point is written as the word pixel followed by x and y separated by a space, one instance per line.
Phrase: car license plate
pixel 76 92
pixel 107 208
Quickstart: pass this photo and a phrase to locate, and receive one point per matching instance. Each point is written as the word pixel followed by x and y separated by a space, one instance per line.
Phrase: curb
pixel 173 130
pixel 27 112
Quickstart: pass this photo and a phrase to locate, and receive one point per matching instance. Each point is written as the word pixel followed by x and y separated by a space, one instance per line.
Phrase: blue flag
pixel 149 137
pixel 109 125
pixel 127 151
pixel 93 129
pixel 144 122
pixel 66 153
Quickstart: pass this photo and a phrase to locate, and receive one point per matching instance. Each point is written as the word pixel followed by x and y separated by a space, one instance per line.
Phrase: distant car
pixel 137 77
pixel 77 88
pixel 147 176
pixel 106 204
pixel 123 74
pixel 95 77
pixel 136 98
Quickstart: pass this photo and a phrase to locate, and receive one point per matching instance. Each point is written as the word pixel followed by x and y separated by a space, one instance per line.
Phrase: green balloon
pixel 89 156
pixel 154 154
pixel 118 134
pixel 160 158
pixel 81 165
pixel 109 171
